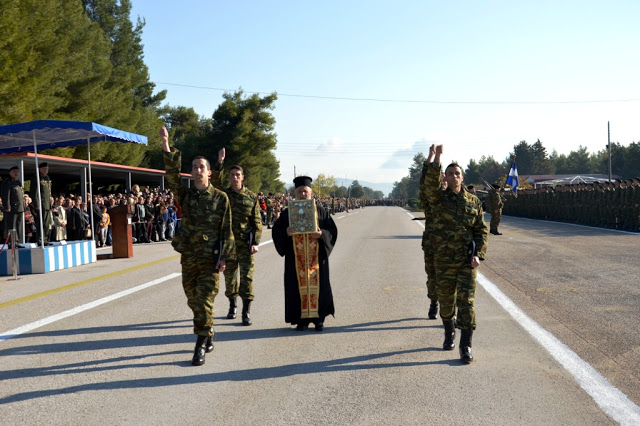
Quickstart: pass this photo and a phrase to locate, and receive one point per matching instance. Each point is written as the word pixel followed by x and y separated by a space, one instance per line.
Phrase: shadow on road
pixel 352 363
pixel 398 237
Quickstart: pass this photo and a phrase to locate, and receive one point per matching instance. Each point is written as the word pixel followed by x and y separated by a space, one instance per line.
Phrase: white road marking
pixel 40 323
pixel 613 402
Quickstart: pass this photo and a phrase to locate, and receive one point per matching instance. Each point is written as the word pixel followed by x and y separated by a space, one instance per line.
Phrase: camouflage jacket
pixel 45 191
pixel 206 216
pixel 458 217
pixel 244 208
pixel 494 201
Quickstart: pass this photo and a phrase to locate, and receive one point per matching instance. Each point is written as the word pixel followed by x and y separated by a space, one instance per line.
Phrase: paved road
pixel 126 360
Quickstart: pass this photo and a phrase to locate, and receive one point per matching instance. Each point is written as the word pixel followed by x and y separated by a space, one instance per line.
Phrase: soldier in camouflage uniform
pixel 269 210
pixel 495 204
pixel 458 216
pixel 205 241
pixel 247 230
pixel 429 240
pixel 45 196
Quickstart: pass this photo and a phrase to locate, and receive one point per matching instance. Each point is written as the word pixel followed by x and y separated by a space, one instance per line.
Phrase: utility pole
pixel 609 142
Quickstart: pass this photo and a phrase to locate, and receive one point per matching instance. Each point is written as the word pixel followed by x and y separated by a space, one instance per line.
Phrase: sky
pixel 363 86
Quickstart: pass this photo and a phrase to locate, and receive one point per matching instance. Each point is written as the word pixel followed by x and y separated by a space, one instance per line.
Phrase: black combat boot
pixel 465 346
pixel 209 345
pixel 246 306
pixel 233 308
pixel 449 335
pixel 199 351
pixel 433 309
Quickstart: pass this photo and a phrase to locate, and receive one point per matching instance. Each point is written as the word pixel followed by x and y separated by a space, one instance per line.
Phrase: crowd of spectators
pixel 155 214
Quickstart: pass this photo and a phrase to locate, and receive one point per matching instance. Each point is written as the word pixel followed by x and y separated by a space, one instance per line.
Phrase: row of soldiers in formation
pixel 614 205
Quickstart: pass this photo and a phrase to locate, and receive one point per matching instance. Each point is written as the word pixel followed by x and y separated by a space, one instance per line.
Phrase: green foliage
pixel 244 126
pixel 487 169
pixel 38 42
pixel 356 190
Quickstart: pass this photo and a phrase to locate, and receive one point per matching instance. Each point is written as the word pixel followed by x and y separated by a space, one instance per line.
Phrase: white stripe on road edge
pixel 37 324
pixel 613 402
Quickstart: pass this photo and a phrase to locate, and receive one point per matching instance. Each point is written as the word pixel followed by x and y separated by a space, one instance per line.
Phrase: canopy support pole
pixel 90 197
pixel 35 150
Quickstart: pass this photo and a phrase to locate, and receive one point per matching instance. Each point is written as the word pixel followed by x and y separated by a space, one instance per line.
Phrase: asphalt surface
pixel 379 361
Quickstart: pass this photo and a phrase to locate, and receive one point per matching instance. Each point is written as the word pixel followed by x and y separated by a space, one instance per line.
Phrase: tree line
pixel 326 186
pixel 83 60
pixel 533 159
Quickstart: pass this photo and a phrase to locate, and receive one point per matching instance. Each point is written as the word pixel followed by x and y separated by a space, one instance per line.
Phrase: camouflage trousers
pixel 269 216
pixel 47 223
pixel 238 275
pixel 495 220
pixel 456 287
pixel 429 267
pixel 201 282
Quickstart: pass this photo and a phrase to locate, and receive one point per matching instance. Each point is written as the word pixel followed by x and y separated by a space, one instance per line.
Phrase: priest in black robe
pixel 307 289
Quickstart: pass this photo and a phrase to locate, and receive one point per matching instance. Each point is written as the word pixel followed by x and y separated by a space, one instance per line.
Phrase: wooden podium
pixel 122 241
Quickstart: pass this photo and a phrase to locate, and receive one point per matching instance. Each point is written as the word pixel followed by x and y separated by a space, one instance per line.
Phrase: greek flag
pixel 512 179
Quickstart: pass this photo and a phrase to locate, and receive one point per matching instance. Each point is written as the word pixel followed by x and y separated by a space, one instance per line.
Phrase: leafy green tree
pixel 39 40
pixel 632 161
pixel 472 173
pixel 342 192
pixel 323 186
pixel 400 189
pixel 245 127
pixel 490 170
pixel 579 162
pixel 356 190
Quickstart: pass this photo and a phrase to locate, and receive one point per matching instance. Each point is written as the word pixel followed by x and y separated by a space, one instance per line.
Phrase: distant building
pixel 538 181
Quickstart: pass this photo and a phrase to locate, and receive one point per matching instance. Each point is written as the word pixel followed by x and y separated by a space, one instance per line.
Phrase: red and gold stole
pixel 306 249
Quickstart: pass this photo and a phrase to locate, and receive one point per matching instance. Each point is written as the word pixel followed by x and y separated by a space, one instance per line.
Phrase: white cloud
pixel 333 144
pixel 402 158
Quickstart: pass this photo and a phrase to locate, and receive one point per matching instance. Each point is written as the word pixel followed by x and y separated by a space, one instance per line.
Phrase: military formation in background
pixel 614 205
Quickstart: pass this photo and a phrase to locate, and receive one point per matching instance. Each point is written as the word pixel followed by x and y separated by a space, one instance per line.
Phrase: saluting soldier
pixel 458 214
pixel 45 196
pixel 247 230
pixel 12 194
pixel 430 238
pixel 205 241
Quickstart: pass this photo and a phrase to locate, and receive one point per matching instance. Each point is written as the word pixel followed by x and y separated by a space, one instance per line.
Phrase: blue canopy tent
pixel 48 134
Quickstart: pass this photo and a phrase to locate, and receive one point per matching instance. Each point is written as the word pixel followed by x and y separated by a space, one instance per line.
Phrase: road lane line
pixel 81 283
pixel 613 402
pixel 36 324
pixel 40 323
pixel 609 398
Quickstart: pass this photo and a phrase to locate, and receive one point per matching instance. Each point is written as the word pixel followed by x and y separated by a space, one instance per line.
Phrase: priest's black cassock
pixel 293 306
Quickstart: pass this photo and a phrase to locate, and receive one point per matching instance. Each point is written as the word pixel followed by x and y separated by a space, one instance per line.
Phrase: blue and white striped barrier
pixel 37 260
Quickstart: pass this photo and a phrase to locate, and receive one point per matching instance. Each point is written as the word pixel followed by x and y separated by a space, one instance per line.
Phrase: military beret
pixel 45 164
pixel 14 168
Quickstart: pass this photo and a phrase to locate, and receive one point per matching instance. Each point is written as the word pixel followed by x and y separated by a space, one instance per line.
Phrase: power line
pixel 413 101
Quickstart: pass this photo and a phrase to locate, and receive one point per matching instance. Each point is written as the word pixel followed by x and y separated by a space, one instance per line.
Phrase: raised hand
pixel 164 135
pixel 221 155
